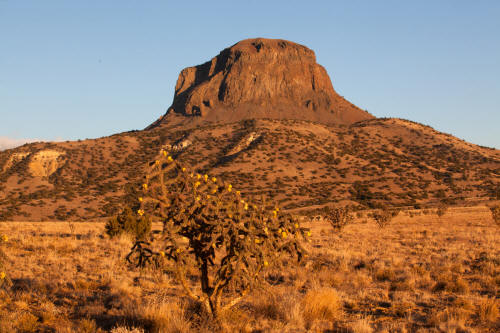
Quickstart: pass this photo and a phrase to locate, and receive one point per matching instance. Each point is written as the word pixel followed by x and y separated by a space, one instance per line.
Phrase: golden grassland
pixel 422 273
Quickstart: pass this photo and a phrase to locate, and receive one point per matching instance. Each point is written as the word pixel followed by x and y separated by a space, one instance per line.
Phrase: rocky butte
pixel 259 78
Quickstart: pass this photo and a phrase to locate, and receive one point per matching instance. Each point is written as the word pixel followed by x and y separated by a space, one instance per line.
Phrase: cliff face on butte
pixel 260 78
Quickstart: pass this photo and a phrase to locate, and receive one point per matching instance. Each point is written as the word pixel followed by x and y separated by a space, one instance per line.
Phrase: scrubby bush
pixel 495 213
pixel 129 222
pixel 339 218
pixel 210 229
pixel 441 210
pixel 383 217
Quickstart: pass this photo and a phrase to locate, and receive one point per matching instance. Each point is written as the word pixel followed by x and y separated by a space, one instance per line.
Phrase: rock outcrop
pixel 46 162
pixel 260 78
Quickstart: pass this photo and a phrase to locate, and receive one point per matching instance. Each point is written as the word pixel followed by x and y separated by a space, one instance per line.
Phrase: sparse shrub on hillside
pixel 211 230
pixel 128 222
pixel 339 218
pixel 495 213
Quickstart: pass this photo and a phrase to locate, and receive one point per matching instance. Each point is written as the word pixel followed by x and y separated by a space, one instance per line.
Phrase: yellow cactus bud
pixel 5 238
pixel 140 212
pixel 183 169
pixel 140 199
pixel 308 234
pixel 178 251
pixel 214 191
pixel 208 196
pixel 284 234
pixel 214 179
pixel 296 225
pixel 164 153
pixel 2 275
pixel 229 189
pixel 162 253
pixel 145 186
pixel 198 198
pixel 198 176
pixel 265 230
pixel 257 241
pixel 213 245
pixel 170 159
pixel 197 184
pixel 205 177
pixel 246 207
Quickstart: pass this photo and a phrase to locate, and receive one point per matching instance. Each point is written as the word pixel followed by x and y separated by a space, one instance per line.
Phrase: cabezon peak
pixel 260 78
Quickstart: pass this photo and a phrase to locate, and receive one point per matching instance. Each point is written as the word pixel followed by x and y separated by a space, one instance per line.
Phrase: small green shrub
pixel 129 222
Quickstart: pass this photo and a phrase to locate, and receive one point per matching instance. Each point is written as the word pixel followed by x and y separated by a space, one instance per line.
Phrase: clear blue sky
pixel 85 69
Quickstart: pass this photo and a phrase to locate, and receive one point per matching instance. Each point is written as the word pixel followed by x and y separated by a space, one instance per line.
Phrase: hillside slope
pixel 301 164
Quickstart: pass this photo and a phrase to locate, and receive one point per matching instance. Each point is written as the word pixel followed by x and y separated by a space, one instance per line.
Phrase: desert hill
pixel 258 131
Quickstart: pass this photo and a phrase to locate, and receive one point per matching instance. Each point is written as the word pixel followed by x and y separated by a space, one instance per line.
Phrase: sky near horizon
pixel 86 69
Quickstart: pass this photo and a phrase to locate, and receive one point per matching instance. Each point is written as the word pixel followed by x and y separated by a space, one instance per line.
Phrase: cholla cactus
pixel 210 228
pixel 4 278
pixel 495 213
pixel 339 218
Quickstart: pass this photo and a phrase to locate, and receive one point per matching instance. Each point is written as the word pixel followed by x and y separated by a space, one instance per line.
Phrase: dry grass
pixel 417 275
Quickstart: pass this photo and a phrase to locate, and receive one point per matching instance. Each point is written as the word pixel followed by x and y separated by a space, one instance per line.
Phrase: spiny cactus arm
pixel 143 253
pixel 181 276
pixel 251 278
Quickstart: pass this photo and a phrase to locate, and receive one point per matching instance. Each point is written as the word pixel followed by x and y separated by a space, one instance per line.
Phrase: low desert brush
pixel 127 222
pixel 339 218
pixel 384 216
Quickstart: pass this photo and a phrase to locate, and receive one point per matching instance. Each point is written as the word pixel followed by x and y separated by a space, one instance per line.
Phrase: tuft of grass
pixel 162 317
pixel 385 274
pixel 87 326
pixel 27 322
pixel 321 304
pixel 488 310
pixel 451 283
pixel 361 325
pixel 123 329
